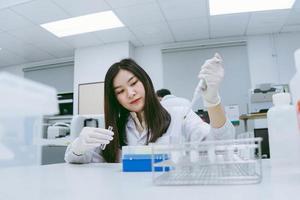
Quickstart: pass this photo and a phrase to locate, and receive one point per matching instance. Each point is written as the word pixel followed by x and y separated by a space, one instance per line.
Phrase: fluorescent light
pixel 83 24
pixel 221 7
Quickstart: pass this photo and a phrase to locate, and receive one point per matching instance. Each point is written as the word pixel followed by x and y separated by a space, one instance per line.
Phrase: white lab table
pixel 106 181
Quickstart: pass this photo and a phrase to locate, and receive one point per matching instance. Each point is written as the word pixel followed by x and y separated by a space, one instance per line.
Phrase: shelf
pixel 55 142
pixel 58 117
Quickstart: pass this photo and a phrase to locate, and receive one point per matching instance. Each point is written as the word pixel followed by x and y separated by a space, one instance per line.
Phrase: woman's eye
pixel 120 91
pixel 132 84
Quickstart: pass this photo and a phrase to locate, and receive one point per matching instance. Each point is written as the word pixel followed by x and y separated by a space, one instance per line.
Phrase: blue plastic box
pixel 142 162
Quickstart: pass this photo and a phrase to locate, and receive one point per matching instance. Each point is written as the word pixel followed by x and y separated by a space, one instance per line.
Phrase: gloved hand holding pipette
pixel 211 75
pixel 90 138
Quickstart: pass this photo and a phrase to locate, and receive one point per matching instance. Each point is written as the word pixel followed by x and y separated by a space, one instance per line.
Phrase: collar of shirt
pixel 133 135
pixel 140 125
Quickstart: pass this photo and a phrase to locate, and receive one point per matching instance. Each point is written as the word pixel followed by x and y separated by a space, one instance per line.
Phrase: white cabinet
pixel 52 150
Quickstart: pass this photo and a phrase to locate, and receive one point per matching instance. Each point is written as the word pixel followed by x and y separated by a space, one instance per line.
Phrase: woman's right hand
pixel 212 71
pixel 90 138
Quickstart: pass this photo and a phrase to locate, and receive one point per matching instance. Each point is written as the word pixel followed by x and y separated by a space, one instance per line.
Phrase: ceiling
pixel 147 22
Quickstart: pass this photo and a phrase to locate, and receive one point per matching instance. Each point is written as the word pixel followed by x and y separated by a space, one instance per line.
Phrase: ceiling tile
pixel 9 20
pixel 44 40
pixel 123 3
pixel 10 42
pixel 60 52
pixel 115 35
pixel 36 35
pixel 82 40
pixel 189 29
pixel 136 43
pixel 9 3
pixel 267 22
pixel 178 9
pixel 147 22
pixel 140 14
pixel 293 18
pixel 277 17
pixel 229 25
pixel 34 54
pixel 25 50
pixel 41 11
pixel 153 33
pixel 82 7
pixel 8 58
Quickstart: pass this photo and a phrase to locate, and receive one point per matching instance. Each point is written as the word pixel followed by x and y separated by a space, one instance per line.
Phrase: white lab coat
pixel 171 100
pixel 192 128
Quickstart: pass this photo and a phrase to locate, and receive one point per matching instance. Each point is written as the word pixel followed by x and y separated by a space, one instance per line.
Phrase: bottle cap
pixel 281 99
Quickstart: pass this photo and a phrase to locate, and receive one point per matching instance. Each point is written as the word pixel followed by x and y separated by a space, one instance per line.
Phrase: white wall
pixel 262 65
pixel 288 44
pixel 91 63
pixel 150 59
pixel 271 57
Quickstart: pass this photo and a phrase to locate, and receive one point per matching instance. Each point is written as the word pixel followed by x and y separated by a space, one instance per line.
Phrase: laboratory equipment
pixel 260 98
pixel 209 162
pixel 139 159
pixel 57 130
pixel 197 94
pixel 22 104
pixel 283 130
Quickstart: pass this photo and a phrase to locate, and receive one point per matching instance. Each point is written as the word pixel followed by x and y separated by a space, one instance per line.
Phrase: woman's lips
pixel 135 101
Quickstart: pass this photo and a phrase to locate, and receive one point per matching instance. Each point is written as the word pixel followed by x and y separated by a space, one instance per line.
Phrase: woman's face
pixel 129 91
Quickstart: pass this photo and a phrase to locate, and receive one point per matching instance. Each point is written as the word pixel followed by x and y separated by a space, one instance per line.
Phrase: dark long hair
pixel 156 117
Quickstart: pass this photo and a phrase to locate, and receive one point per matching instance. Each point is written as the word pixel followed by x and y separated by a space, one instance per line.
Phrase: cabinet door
pixel 91 98
pixel 53 154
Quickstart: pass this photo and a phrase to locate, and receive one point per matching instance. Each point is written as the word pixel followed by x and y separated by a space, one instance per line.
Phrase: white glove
pixel 212 71
pixel 90 138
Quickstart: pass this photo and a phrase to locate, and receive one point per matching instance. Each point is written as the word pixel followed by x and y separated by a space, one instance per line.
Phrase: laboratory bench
pixel 107 182
pixel 253 116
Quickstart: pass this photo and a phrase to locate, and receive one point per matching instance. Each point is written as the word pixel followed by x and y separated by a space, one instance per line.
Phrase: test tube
pixel 102 146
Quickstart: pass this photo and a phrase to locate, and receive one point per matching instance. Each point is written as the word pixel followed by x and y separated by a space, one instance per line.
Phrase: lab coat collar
pixel 132 129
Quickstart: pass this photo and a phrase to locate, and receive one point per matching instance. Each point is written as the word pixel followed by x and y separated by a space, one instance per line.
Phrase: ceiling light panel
pixel 221 7
pixel 84 24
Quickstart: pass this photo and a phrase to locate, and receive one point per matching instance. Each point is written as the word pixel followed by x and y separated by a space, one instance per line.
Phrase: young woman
pixel 137 117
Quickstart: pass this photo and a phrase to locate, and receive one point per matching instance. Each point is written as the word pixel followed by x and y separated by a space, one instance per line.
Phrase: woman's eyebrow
pixel 130 79
pixel 127 82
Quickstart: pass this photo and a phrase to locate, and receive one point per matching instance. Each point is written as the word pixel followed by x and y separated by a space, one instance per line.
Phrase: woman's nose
pixel 131 92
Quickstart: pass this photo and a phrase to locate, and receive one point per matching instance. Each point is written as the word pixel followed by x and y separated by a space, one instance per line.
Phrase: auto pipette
pixel 201 87
pixel 102 146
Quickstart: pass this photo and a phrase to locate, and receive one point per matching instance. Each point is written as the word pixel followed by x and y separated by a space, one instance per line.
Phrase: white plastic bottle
pixel 294 86
pixel 284 137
